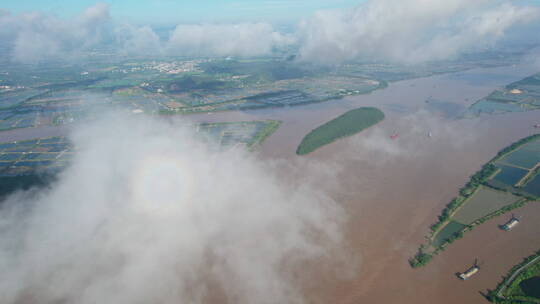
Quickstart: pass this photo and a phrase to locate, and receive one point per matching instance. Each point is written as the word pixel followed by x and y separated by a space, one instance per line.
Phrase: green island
pixel 508 181
pixel 520 285
pixel 345 125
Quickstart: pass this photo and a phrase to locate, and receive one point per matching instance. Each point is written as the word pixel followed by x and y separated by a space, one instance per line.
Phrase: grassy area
pixel 345 125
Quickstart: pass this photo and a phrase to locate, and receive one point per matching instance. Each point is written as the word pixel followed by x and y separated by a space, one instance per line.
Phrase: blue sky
pixel 179 11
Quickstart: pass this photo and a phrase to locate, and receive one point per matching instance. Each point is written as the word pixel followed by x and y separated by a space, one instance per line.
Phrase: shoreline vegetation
pixel 269 129
pixel 345 125
pixel 480 179
pixel 508 290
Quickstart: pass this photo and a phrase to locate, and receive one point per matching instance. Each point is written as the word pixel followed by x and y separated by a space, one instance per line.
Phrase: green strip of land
pixel 345 125
pixel 490 192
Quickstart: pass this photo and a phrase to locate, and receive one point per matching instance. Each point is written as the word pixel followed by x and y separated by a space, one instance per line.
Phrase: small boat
pixel 469 272
pixel 510 224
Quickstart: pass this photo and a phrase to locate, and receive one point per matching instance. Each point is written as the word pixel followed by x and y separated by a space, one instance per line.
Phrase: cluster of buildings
pixel 10 88
pixel 177 67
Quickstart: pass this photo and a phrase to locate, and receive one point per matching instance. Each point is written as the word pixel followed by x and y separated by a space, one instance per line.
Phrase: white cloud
pixel 35 37
pixel 243 39
pixel 138 40
pixel 146 214
pixel 408 30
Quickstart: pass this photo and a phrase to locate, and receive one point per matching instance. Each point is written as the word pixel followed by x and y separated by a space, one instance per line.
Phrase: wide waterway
pixel 394 189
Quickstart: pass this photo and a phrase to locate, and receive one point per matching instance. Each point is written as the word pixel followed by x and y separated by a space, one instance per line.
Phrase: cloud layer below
pixel 146 214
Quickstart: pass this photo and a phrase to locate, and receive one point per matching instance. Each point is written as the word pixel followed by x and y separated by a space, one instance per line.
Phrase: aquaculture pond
pixel 531 287
pixel 493 107
pixel 446 108
pixel 31 156
pixel 447 232
pixel 247 133
pixel 526 157
pixel 509 175
pixel 533 186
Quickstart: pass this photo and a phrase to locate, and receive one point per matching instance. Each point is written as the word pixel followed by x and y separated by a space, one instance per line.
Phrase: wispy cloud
pixel 409 30
pixel 147 214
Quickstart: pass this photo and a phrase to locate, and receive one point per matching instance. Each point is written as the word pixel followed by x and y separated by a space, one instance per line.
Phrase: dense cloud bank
pixel 35 37
pixel 393 30
pixel 409 30
pixel 146 214
pixel 247 39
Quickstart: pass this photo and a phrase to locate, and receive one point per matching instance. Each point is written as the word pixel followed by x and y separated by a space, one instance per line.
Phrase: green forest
pixel 345 125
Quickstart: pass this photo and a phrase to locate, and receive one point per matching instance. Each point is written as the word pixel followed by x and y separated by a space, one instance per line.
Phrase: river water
pixel 393 190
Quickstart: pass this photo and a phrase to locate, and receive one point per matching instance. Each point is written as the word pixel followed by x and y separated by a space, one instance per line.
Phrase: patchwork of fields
pixel 229 134
pixel 520 96
pixel 53 153
pixel 28 157
pixel 58 95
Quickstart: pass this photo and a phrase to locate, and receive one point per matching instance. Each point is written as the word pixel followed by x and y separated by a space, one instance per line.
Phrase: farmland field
pixel 482 203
